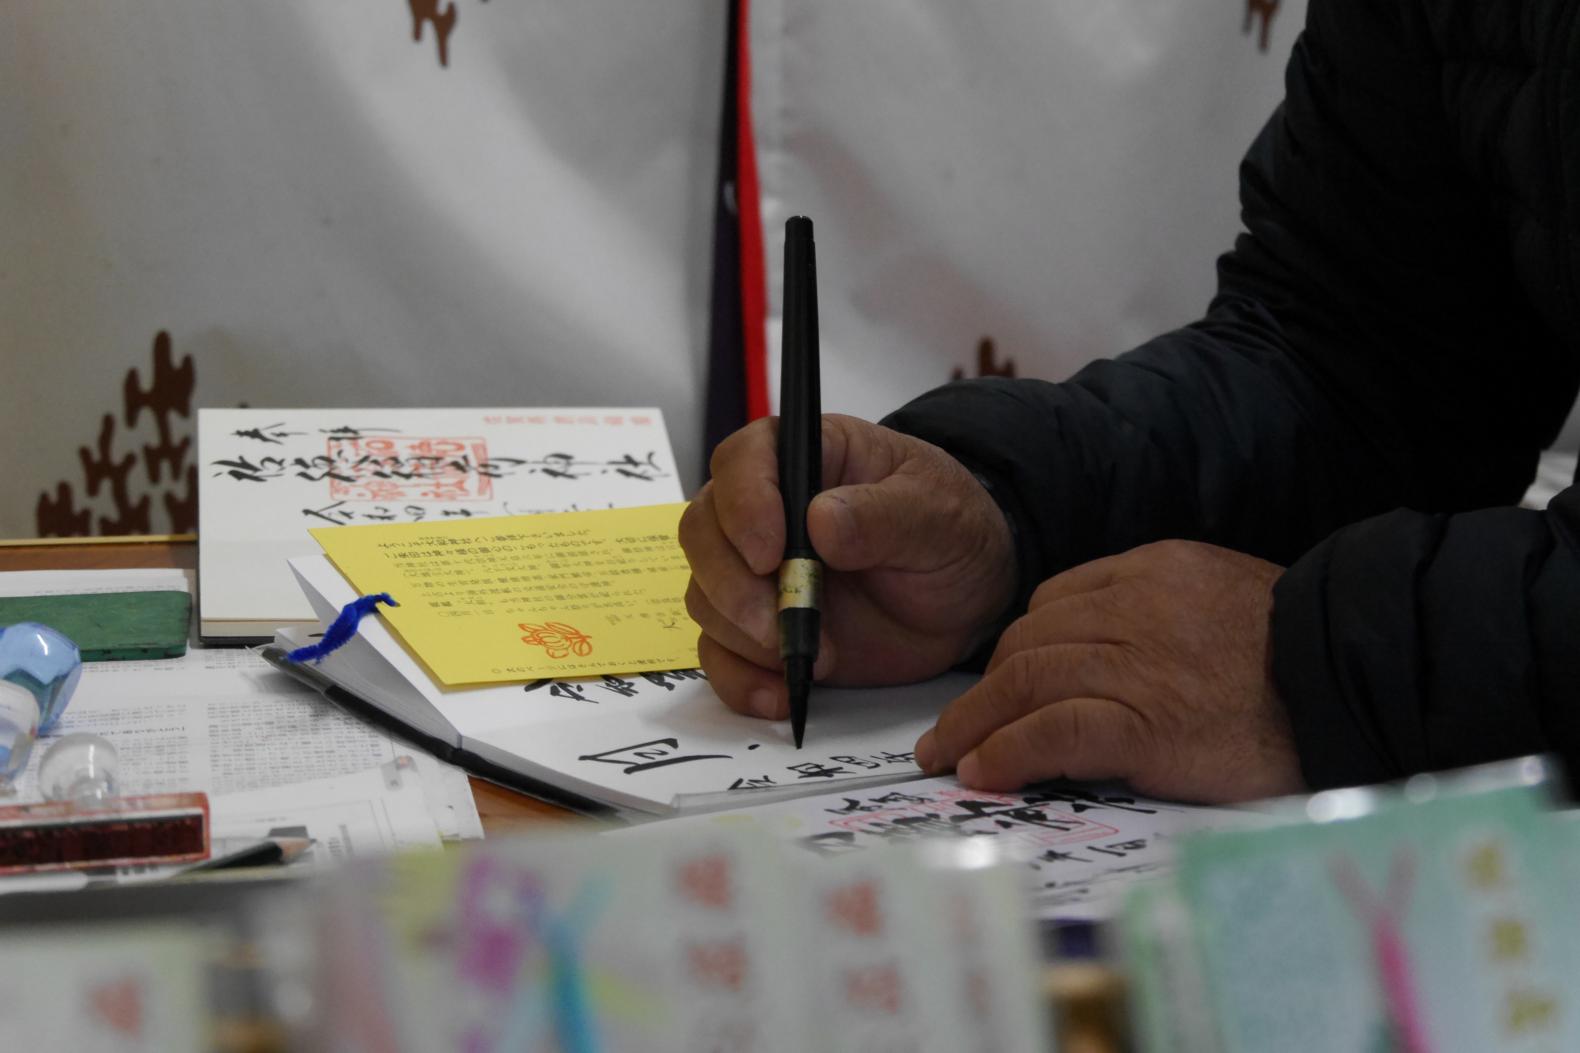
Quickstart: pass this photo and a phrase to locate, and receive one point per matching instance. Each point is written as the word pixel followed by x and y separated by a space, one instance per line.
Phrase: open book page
pixel 266 476
pixel 1084 845
pixel 654 741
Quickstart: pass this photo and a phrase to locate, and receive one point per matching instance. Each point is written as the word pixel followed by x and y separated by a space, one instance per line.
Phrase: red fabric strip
pixel 754 279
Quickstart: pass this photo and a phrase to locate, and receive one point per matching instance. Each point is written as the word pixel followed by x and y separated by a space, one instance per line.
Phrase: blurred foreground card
pixel 134 986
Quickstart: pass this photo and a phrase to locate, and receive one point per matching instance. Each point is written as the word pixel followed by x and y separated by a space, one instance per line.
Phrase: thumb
pixel 896 523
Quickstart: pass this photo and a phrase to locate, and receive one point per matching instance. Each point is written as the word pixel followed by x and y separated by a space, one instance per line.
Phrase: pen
pixel 800 469
pixel 270 852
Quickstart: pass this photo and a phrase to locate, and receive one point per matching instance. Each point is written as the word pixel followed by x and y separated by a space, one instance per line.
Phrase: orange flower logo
pixel 558 639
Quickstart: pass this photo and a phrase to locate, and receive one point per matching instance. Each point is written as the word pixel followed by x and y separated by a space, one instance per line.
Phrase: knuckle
pixel 697 605
pixel 736 605
pixel 1016 639
pixel 952 733
pixel 1020 677
pixel 1177 553
pixel 741 447
pixel 1009 643
pixel 1029 745
pixel 729 449
pixel 693 519
pixel 739 506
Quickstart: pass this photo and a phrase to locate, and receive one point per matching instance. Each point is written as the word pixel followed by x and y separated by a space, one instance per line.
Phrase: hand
pixel 918 562
pixel 1152 667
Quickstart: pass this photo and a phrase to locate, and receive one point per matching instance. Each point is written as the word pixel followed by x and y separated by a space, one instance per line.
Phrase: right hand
pixel 918 562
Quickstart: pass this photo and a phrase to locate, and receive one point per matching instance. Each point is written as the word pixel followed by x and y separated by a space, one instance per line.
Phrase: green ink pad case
pixel 110 626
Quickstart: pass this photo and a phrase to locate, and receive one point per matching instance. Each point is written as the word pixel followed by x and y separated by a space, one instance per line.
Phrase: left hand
pixel 1153 666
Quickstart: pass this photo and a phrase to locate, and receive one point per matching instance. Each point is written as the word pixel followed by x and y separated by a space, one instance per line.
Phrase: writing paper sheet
pixel 522 597
pixel 223 721
pixel 266 476
pixel 374 812
pixel 1084 845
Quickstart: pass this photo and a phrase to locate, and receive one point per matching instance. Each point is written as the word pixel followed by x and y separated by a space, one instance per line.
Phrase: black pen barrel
pixel 800 406
pixel 798 629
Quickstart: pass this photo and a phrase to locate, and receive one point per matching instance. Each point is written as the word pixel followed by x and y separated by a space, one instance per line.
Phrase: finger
pixel 1082 618
pixel 1024 683
pixel 1077 738
pixel 875 524
pixel 742 685
pixel 859 451
pixel 1084 578
pixel 719 628
pixel 914 520
pixel 744 599
pixel 745 471
pixel 745 494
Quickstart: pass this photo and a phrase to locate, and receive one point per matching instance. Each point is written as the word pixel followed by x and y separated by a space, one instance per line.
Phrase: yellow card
pixel 527 597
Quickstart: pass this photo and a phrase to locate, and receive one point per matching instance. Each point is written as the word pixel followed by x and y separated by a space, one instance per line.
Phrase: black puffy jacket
pixel 1394 339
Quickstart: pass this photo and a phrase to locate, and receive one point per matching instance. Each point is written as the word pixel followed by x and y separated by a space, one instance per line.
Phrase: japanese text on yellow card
pixel 525 597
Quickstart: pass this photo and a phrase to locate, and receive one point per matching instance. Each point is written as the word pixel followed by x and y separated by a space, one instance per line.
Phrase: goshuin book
pixel 656 742
pixel 266 476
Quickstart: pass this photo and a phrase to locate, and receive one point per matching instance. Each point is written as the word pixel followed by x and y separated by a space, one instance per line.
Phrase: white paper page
pixel 1085 845
pixel 212 670
pixel 448 793
pixel 222 720
pixel 348 817
pixel 217 743
pixel 646 740
pixel 372 812
pixel 266 476
pixel 686 743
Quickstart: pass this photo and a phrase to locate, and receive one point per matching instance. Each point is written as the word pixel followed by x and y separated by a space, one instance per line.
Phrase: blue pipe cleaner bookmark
pixel 343 628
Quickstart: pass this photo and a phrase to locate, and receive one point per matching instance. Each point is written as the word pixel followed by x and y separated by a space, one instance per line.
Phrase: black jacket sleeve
pixel 1375 344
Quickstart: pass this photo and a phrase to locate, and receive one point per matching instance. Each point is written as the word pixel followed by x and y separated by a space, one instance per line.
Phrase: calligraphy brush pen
pixel 800 470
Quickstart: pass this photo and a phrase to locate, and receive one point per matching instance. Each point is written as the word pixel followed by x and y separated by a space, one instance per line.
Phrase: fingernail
pixel 969 769
pixel 764 702
pixel 925 751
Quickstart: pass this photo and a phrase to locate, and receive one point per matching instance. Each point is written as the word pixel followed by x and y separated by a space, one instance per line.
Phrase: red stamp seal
pixel 409 468
pixel 557 638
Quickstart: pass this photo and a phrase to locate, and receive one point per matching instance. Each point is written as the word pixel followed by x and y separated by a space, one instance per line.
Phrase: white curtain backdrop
pixel 1057 178
pixel 319 213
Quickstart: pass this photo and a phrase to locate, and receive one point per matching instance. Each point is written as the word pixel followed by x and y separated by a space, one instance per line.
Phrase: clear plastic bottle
pixel 39 670
pixel 19 718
